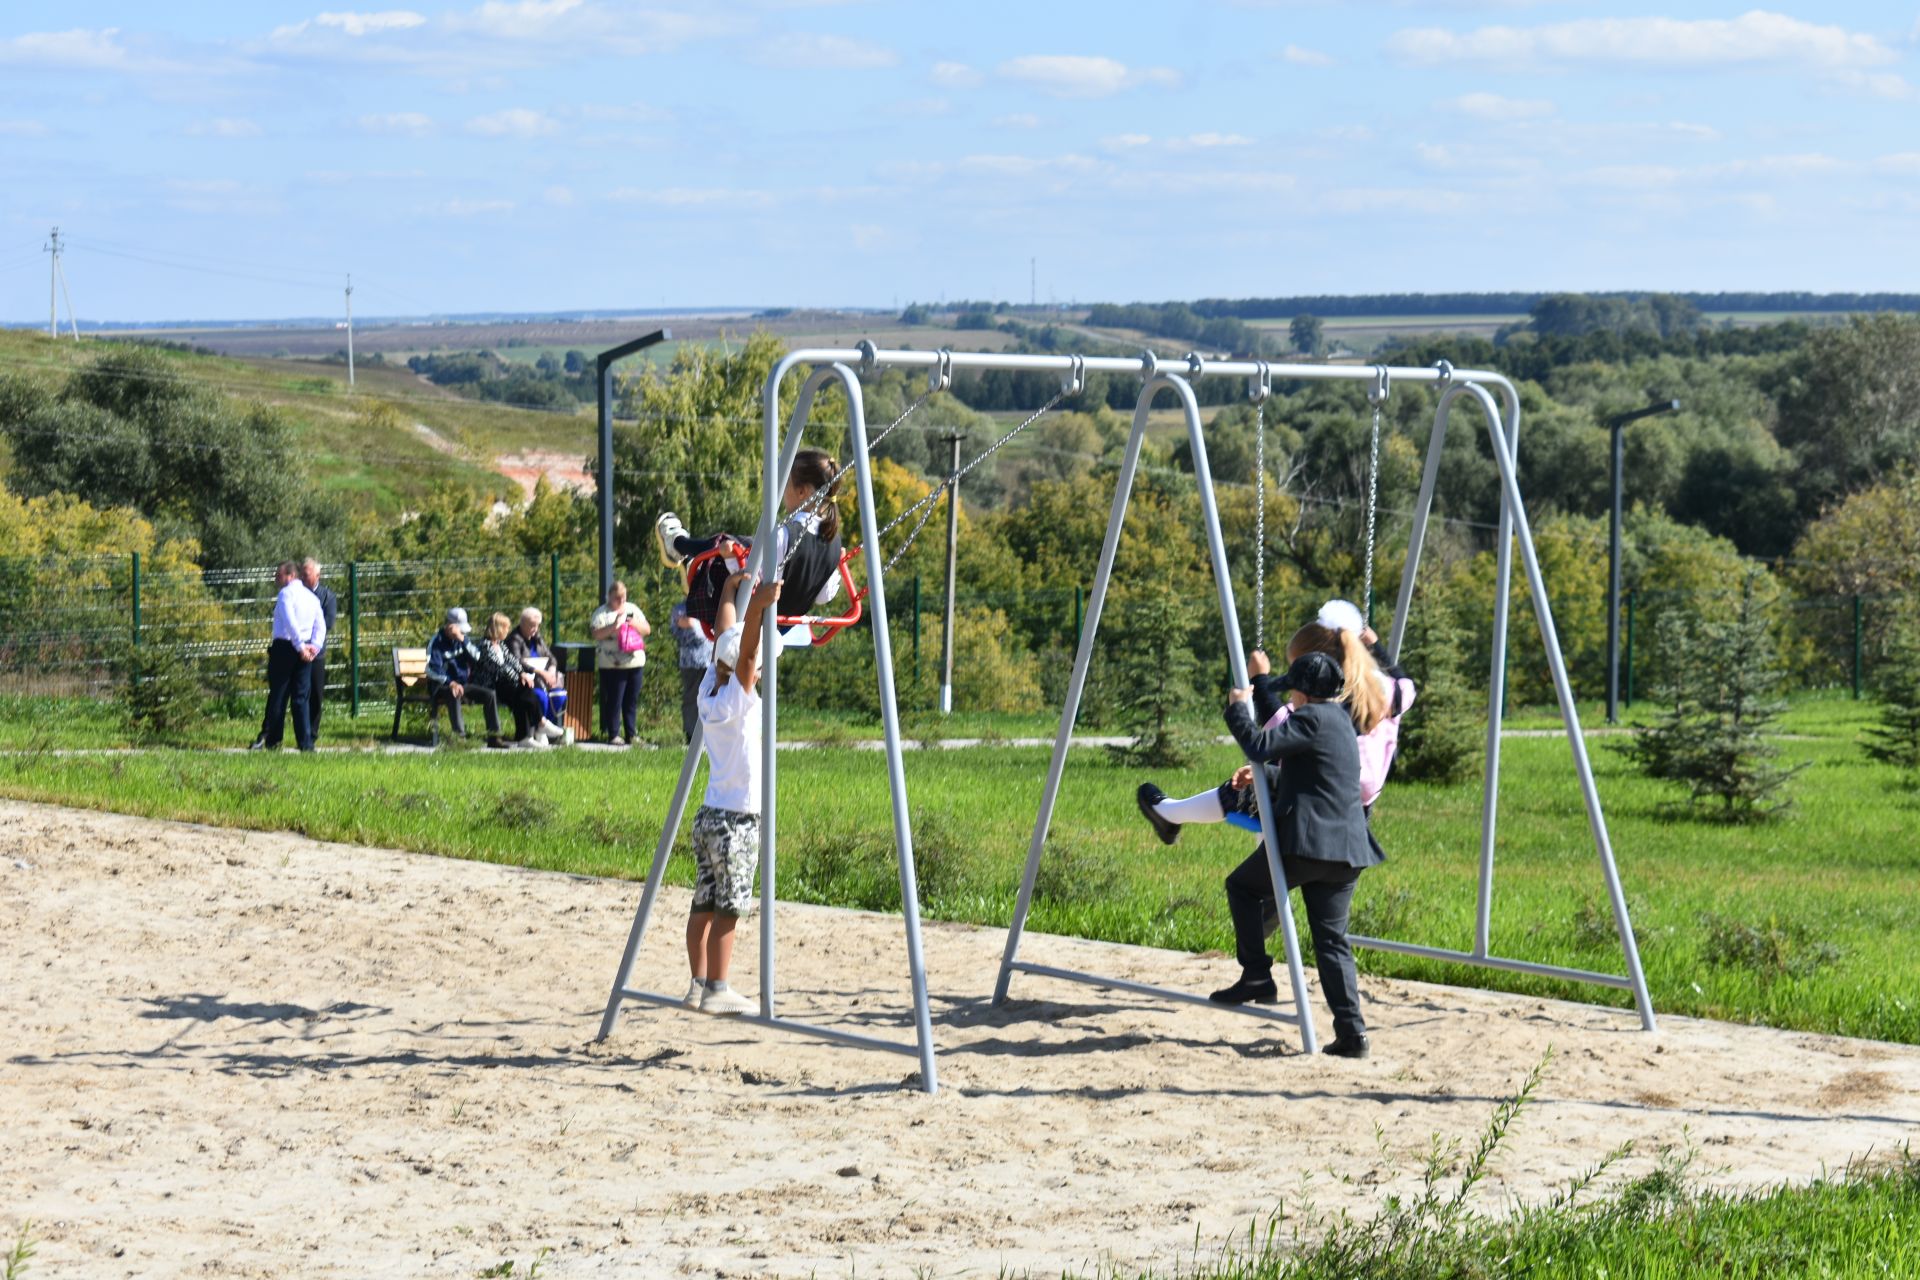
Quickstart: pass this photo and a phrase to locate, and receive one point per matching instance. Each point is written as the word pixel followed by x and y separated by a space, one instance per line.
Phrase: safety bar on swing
pixel 823 627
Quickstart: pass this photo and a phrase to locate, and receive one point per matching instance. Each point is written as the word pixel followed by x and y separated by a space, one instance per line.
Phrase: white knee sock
pixel 1204 807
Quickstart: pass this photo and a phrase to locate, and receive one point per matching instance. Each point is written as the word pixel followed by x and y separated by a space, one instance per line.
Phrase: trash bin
pixel 581 700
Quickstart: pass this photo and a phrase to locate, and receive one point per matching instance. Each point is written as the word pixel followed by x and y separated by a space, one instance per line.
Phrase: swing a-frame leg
pixel 1300 1015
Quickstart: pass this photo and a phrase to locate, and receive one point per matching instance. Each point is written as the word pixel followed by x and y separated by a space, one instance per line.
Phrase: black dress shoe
pixel 1349 1047
pixel 259 744
pixel 1248 991
pixel 1148 796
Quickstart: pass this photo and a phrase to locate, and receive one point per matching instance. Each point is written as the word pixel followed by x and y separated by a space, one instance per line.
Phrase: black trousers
pixel 316 691
pixel 524 704
pixel 690 678
pixel 287 689
pixel 489 706
pixel 619 700
pixel 1326 889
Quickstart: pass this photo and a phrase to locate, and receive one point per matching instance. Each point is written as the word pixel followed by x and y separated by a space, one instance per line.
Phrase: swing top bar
pixel 868 358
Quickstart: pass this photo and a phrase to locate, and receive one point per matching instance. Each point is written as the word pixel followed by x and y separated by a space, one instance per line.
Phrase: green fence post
pixel 136 599
pixel 1858 649
pixel 353 633
pixel 916 628
pixel 1629 661
pixel 553 595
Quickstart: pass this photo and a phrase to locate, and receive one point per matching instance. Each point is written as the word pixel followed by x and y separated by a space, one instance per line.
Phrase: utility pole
pixel 1617 424
pixel 56 287
pixel 349 328
pixel 1033 282
pixel 953 548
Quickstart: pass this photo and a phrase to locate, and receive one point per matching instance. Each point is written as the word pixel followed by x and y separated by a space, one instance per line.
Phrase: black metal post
pixel 1617 425
pixel 604 363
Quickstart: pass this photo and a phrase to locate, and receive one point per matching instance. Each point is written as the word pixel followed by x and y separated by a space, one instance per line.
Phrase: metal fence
pixel 66 623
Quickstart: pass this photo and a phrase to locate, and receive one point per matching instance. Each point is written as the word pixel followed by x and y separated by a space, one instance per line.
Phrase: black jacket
pixel 329 611
pixel 1317 801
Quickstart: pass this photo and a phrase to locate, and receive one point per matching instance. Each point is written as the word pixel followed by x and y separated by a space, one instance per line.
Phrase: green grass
pixel 1661 1225
pixel 1803 923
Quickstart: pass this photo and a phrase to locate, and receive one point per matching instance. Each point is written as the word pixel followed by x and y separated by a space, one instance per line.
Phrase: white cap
pixel 726 648
pixel 1342 615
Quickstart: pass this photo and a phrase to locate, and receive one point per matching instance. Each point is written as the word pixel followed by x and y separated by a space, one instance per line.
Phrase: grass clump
pixel 1771 950
pixel 20 1254
pixel 523 810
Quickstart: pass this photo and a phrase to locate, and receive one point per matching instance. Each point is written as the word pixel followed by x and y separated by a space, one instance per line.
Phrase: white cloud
pixel 1695 132
pixel 808 51
pixel 224 127
pixel 79 50
pixel 1493 107
pixel 1903 163
pixel 1077 76
pixel 466 208
pixel 630 113
pixel 518 19
pixel 1009 166
pixel 691 197
pixel 1300 57
pixel 1400 200
pixel 23 129
pixel 407 124
pixel 532 30
pixel 1018 120
pixel 1209 141
pixel 1876 84
pixel 1127 141
pixel 514 122
pixel 560 197
pixel 1752 39
pixel 204 186
pixel 956 75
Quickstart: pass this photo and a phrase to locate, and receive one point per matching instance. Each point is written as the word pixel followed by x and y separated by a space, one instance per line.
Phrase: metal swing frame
pixel 838 365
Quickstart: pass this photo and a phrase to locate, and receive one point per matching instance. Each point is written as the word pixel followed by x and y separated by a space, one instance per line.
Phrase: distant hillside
pixel 1502 304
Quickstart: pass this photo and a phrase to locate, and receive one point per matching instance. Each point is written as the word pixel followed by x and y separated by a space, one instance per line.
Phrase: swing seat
pixel 797 631
pixel 1245 821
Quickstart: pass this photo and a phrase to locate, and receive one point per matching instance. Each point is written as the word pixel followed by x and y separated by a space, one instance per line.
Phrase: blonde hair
pixel 498 626
pixel 1362 689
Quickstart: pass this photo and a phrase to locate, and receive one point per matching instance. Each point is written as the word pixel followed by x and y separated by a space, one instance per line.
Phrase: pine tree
pixel 1718 676
pixel 1896 684
pixel 1153 670
pixel 1441 733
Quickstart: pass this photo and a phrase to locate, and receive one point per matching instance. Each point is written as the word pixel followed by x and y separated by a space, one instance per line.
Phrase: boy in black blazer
pixel 1324 843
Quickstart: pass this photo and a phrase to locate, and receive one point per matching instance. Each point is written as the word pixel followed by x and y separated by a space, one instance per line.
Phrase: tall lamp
pixel 1617 423
pixel 604 381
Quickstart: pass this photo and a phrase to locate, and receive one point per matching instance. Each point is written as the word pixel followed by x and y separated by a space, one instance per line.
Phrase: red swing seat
pixel 822 627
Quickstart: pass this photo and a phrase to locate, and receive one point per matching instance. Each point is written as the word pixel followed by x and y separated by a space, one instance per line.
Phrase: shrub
pixel 1440 737
pixel 1153 670
pixel 1896 683
pixel 160 692
pixel 1072 873
pixel 1772 950
pixel 523 810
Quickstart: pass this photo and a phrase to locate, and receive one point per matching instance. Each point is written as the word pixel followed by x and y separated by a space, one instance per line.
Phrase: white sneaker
pixel 727 1002
pixel 695 989
pixel 553 731
pixel 665 530
pixel 532 742
pixel 616 742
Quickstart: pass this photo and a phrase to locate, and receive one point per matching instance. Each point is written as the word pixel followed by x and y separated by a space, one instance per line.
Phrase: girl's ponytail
pixel 817 470
pixel 1363 693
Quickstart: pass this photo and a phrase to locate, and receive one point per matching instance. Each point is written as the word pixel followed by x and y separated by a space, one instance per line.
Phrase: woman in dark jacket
pixel 1324 843
pixel 496 668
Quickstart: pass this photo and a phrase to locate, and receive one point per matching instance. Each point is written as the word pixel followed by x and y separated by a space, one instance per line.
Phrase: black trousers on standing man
pixel 1326 890
pixel 287 690
pixel 316 690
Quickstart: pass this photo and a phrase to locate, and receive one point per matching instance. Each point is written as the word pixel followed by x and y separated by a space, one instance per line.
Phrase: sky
pixel 223 159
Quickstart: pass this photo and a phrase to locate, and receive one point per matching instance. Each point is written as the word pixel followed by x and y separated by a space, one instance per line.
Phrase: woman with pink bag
pixel 620 632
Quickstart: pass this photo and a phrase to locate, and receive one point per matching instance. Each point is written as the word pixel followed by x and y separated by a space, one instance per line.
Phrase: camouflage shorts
pixel 727 847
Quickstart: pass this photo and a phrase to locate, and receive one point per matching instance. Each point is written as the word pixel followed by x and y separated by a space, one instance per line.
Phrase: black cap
pixel 1315 674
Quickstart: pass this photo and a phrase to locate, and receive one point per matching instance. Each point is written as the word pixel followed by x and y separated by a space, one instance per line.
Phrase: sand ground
pixel 240 1054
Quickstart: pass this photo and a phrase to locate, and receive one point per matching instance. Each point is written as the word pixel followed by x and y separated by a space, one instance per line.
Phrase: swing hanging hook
pixel 1149 365
pixel 940 375
pixel 1445 369
pixel 1075 380
pixel 1382 385
pixel 1260 385
pixel 1196 366
pixel 869 357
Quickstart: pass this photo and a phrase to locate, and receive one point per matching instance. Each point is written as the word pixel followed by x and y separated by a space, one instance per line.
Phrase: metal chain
pixel 822 495
pixel 1373 507
pixel 924 508
pixel 1260 525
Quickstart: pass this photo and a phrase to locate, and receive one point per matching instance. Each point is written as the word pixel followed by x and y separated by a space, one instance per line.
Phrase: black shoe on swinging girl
pixel 1148 796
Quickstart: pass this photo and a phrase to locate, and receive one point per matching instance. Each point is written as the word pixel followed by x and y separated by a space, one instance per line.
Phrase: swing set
pixel 1491 393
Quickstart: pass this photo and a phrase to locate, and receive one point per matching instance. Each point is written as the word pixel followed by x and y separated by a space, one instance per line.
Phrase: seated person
pixel 496 668
pixel 450 659
pixel 530 648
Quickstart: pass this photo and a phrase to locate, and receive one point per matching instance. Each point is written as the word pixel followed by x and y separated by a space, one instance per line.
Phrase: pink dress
pixel 1377 748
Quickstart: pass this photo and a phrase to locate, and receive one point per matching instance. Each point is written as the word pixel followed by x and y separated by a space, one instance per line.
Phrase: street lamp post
pixel 604 381
pixel 1617 423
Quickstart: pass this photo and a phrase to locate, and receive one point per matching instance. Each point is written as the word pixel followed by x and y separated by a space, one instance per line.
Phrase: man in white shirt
pixel 299 632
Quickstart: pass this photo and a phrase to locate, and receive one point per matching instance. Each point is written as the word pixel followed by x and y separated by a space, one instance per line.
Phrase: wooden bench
pixel 410 685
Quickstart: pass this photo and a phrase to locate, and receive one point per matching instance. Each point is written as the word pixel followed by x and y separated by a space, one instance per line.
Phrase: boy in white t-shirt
pixel 726 830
